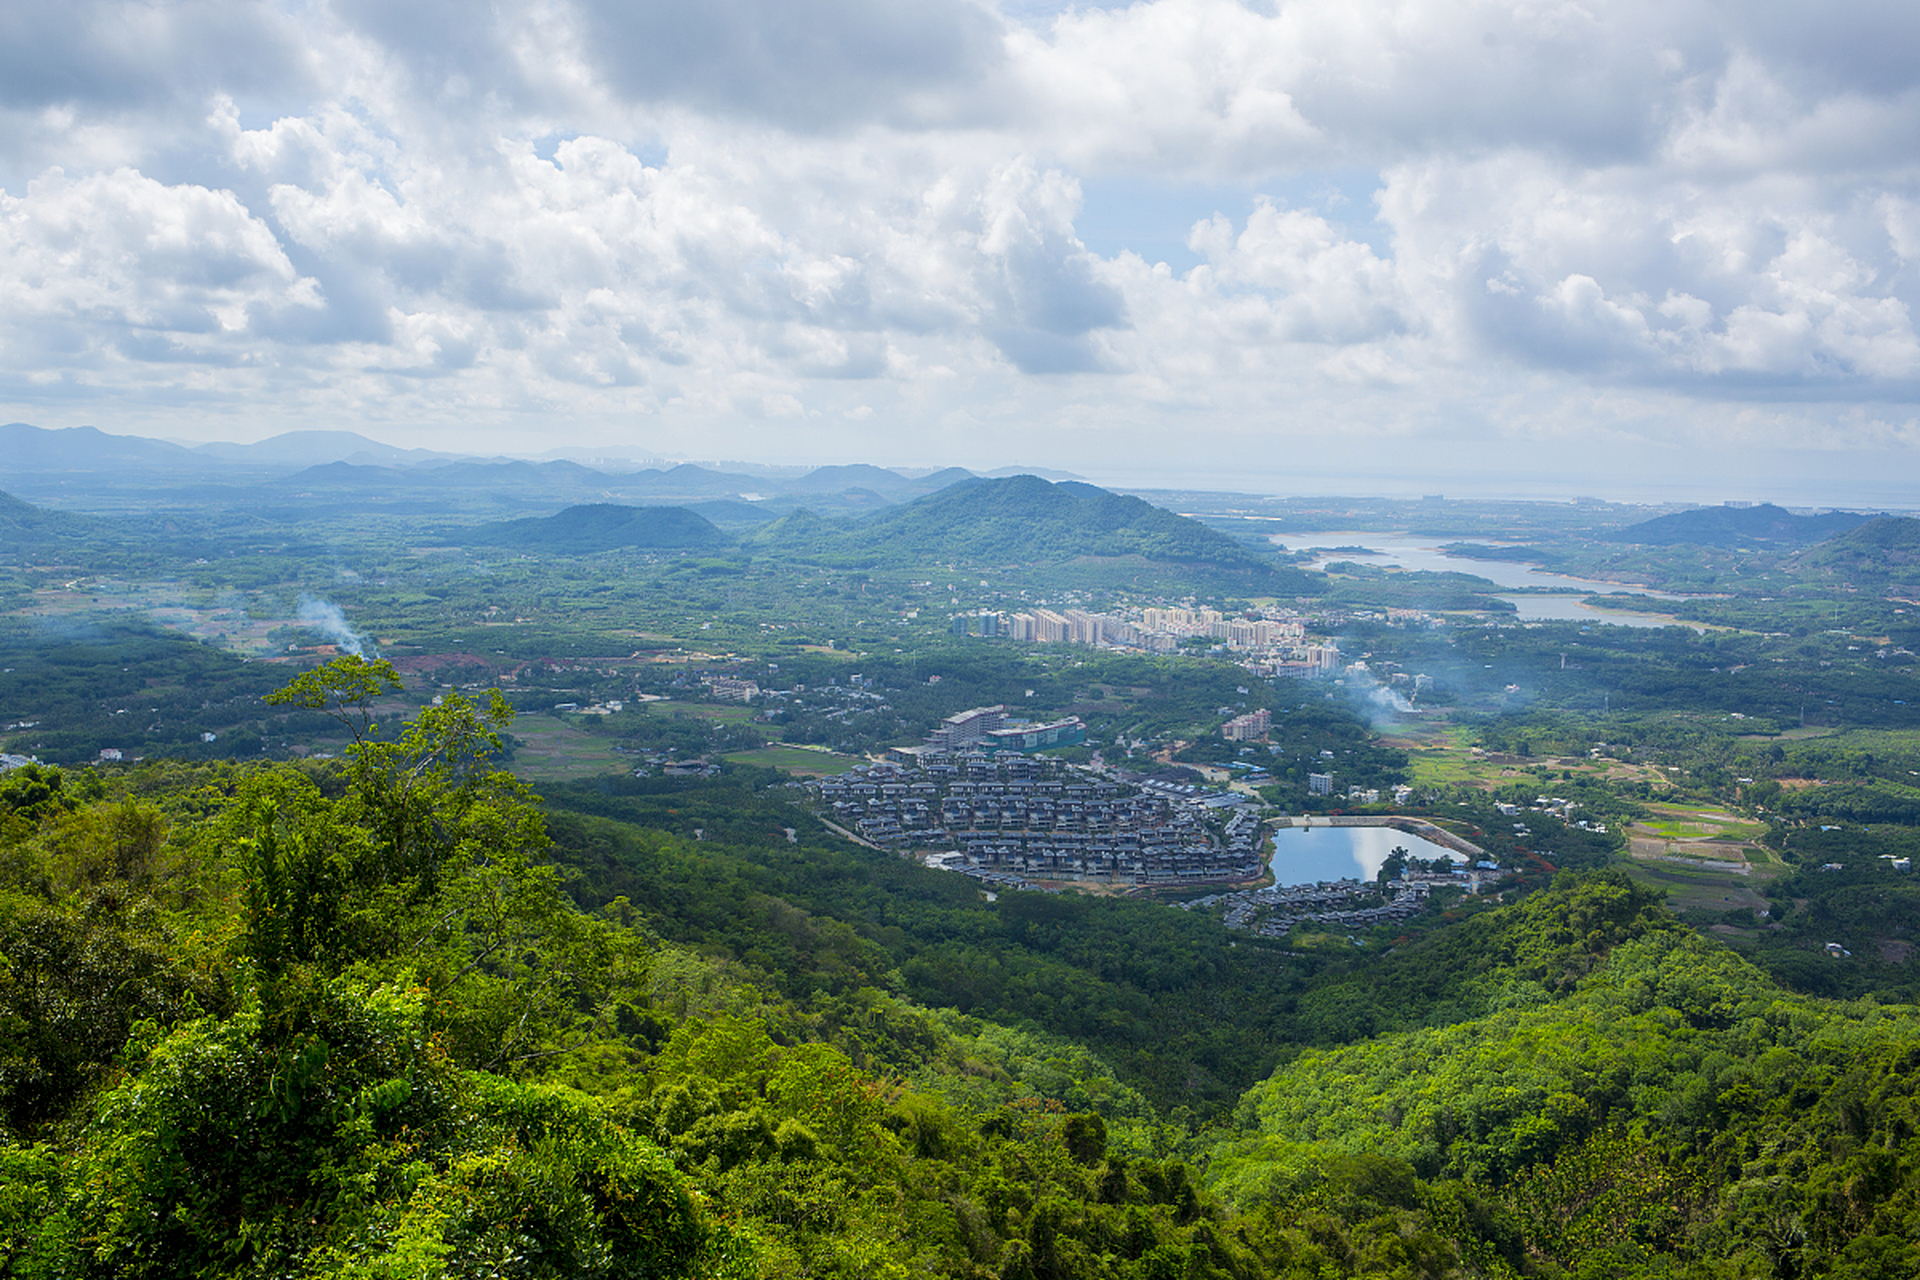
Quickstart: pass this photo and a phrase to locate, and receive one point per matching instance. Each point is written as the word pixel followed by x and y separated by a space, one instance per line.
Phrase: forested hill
pixel 379 1017
pixel 88 450
pixel 1737 526
pixel 1884 552
pixel 23 525
pixel 600 526
pixel 28 532
pixel 1027 520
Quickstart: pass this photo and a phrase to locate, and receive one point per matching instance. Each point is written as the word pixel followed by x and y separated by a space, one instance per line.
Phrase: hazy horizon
pixel 1644 252
pixel 1748 485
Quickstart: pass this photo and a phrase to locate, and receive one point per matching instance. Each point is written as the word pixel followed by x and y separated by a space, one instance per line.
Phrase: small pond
pixel 1308 855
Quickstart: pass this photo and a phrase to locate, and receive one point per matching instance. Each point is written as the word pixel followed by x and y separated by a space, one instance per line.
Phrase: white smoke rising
pixel 1380 703
pixel 326 618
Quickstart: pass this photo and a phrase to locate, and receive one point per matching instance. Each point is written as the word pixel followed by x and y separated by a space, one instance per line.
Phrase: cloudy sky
pixel 1620 247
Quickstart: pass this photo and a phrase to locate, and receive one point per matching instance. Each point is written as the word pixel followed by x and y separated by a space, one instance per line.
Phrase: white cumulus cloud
pixel 827 229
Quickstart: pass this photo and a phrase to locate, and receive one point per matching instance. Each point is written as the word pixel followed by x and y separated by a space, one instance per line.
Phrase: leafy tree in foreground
pixel 393 931
pixel 427 864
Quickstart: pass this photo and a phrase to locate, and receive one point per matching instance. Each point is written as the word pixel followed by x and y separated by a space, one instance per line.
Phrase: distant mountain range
pixel 1737 526
pixel 890 485
pixel 1021 520
pixel 27 450
pixel 299 474
pixel 313 448
pixel 856 511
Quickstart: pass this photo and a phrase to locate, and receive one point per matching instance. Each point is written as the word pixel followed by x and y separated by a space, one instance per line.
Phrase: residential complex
pixel 992 729
pixel 732 690
pixel 1275 643
pixel 1248 728
pixel 1038 817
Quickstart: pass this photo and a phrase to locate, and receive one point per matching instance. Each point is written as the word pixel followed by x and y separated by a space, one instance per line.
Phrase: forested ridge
pixel 389 1016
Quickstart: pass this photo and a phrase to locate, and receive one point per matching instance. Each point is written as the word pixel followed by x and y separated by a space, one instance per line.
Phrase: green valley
pixel 438 892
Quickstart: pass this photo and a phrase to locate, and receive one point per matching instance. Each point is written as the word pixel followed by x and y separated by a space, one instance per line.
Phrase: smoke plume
pixel 1378 702
pixel 325 617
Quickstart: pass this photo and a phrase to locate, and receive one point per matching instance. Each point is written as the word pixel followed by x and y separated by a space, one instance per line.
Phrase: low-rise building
pixel 731 689
pixel 1249 727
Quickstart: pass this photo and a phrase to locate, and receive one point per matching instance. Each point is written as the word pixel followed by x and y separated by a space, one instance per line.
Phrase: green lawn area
pixel 798 760
pixel 1706 831
pixel 1677 823
pixel 1446 759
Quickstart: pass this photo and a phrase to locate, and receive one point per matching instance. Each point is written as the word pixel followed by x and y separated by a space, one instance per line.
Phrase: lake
pixel 1571 609
pixel 1407 551
pixel 1308 855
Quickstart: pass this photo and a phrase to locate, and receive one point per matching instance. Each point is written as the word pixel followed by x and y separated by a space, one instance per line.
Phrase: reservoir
pixel 1408 551
pixel 1572 609
pixel 1308 855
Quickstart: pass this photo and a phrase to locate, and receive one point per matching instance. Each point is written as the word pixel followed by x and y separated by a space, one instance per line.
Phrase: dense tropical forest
pixel 393 1014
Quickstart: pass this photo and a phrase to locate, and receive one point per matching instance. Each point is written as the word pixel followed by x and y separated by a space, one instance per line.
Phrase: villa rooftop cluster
pixel 1035 817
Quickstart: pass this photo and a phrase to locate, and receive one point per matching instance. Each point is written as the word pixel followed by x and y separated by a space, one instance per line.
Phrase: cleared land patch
pixel 1703 889
pixel 798 761
pixel 722 713
pixel 550 749
pixel 1712 840
pixel 1448 757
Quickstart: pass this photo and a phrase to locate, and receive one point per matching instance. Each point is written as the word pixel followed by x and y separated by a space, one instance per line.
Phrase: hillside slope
pixel 1024 520
pixel 23 524
pixel 28 532
pixel 1737 526
pixel 211 1035
pixel 601 526
pixel 1883 552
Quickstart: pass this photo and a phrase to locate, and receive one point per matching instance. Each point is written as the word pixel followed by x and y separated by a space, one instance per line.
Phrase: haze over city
pixel 1636 250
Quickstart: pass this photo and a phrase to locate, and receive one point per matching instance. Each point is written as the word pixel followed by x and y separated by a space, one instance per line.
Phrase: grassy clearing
pixel 720 713
pixel 796 760
pixel 1447 758
pixel 1676 822
pixel 552 749
pixel 1702 889
pixel 1675 830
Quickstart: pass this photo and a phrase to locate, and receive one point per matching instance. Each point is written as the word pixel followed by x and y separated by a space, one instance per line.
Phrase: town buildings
pixel 992 729
pixel 729 689
pixel 1248 728
pixel 1278 641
